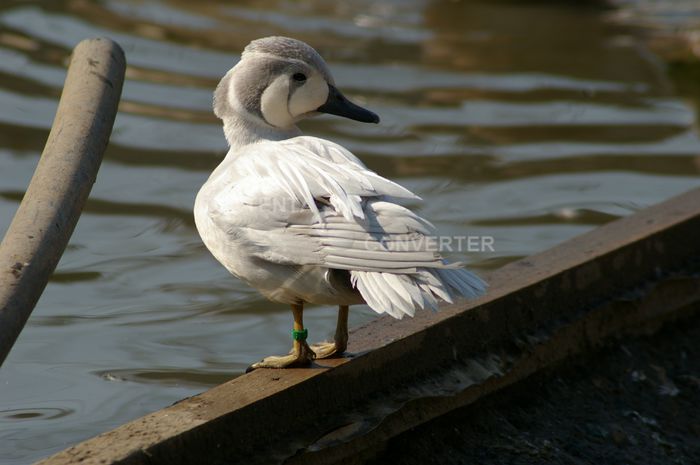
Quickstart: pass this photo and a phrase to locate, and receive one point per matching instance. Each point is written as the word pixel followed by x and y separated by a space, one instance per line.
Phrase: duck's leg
pixel 340 341
pixel 301 353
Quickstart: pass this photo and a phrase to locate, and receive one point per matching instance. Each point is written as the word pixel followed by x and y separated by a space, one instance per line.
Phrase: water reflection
pixel 529 123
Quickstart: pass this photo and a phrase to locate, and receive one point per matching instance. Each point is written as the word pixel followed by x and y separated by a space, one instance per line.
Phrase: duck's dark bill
pixel 337 104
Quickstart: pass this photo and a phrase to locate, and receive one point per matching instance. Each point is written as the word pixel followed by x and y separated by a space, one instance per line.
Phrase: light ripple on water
pixel 67 31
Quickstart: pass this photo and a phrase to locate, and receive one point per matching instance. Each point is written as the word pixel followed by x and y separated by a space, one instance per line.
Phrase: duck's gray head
pixel 280 81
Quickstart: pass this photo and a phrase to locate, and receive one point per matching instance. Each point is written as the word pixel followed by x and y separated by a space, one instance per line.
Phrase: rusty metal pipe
pixel 61 183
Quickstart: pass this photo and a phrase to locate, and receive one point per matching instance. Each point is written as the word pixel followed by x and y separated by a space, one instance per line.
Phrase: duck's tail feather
pixel 402 294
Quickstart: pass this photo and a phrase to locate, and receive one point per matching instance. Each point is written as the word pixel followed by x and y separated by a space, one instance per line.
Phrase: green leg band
pixel 300 335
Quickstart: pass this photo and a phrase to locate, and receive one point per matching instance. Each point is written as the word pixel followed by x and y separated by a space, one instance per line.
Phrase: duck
pixel 303 220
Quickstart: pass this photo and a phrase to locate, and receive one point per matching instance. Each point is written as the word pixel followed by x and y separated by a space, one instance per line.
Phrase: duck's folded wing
pixel 389 238
pixel 308 169
pixel 392 255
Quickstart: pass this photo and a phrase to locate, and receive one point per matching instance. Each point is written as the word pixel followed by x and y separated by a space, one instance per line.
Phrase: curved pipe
pixel 61 183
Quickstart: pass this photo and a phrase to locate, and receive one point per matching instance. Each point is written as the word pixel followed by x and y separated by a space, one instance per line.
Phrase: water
pixel 531 124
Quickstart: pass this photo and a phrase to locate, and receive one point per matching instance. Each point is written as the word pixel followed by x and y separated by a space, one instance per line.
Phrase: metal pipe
pixel 61 183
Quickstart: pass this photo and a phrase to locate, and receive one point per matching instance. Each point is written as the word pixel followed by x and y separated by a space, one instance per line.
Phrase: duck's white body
pixel 303 220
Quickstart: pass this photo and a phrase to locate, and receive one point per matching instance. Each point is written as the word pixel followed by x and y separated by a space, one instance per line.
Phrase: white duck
pixel 300 218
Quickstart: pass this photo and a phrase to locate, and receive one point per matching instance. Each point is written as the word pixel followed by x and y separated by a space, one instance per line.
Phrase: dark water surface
pixel 530 124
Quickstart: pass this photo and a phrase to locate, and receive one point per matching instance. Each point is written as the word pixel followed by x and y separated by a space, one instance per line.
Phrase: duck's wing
pixel 392 255
pixel 307 201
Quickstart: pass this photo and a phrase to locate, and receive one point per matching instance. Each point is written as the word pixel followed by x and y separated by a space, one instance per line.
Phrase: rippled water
pixel 531 124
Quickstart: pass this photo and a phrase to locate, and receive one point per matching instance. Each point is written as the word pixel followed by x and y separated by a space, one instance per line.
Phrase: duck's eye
pixel 299 77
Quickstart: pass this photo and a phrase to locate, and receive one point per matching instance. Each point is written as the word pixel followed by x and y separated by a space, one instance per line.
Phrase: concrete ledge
pixel 626 277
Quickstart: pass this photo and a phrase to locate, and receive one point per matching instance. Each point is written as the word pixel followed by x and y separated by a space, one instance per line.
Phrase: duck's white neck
pixel 240 132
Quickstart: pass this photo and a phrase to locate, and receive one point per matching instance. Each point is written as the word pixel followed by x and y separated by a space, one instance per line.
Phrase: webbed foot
pixel 326 350
pixel 301 355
